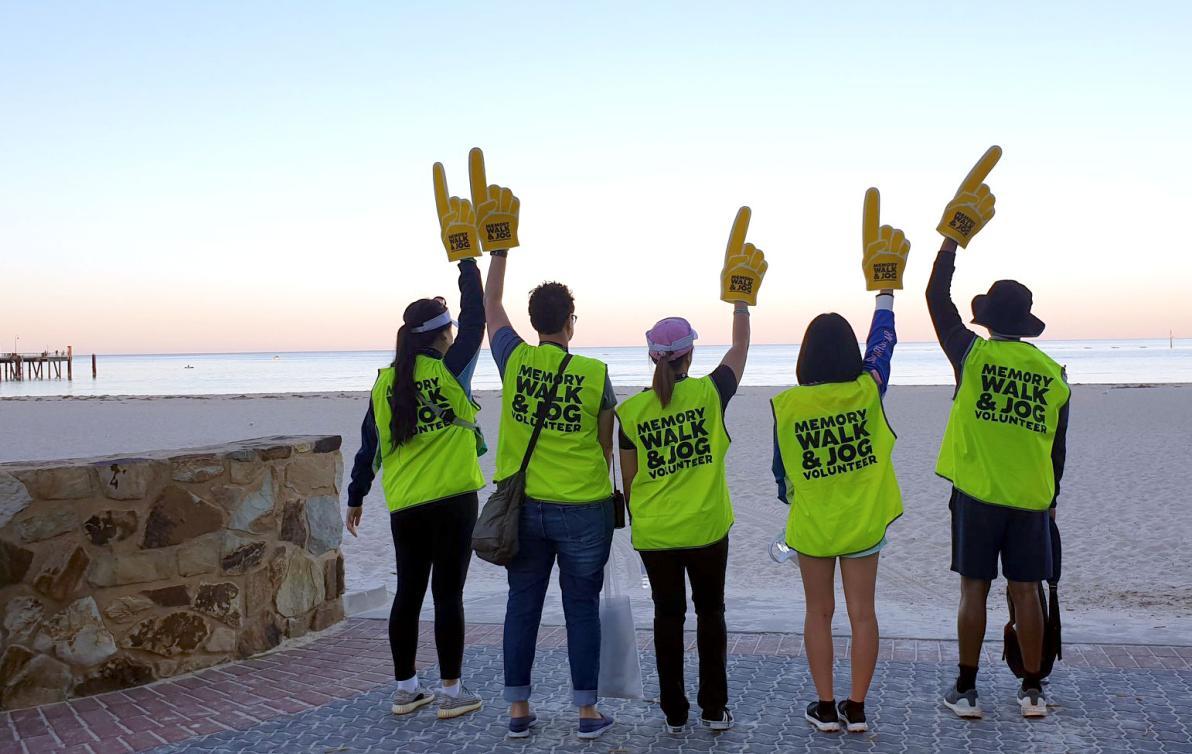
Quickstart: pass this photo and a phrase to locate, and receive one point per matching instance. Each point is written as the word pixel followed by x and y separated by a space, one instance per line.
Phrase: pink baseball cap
pixel 670 339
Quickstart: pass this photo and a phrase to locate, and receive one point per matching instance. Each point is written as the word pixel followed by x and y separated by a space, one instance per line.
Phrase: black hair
pixel 551 307
pixel 829 352
pixel 403 401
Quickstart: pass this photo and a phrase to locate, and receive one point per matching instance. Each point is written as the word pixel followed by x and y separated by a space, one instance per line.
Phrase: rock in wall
pixel 116 572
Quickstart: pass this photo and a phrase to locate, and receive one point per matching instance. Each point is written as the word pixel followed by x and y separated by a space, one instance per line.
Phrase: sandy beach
pixel 1122 509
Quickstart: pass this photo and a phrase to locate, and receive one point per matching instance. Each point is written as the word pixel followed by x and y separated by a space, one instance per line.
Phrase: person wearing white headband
pixel 420 432
pixel 673 443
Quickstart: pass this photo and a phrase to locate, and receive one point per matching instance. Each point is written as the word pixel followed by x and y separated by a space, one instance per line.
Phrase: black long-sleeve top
pixel 460 360
pixel 956 339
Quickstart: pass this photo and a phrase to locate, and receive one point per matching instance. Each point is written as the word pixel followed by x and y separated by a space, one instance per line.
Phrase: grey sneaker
pixel 405 702
pixel 1032 702
pixel 462 704
pixel 965 704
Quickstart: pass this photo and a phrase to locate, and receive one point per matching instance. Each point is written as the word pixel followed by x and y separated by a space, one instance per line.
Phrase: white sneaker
pixel 965 704
pixel 1032 702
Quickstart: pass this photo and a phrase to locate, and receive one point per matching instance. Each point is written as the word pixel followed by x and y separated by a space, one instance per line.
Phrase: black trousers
pixel 705 567
pixel 433 544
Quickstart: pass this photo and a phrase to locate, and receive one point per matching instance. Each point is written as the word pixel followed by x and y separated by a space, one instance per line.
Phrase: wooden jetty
pixel 47 365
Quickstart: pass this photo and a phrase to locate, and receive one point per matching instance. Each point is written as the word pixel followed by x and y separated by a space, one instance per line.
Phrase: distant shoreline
pixel 363 393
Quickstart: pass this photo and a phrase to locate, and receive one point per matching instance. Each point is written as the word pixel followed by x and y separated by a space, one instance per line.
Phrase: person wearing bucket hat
pixel 833 463
pixel 673 443
pixel 1004 450
pixel 420 433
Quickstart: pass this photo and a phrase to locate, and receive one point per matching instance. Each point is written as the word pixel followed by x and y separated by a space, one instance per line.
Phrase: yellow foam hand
pixel 972 207
pixel 745 265
pixel 884 248
pixel 457 220
pixel 496 207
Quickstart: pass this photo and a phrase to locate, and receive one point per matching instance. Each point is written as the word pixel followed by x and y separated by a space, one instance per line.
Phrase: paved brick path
pixel 331 694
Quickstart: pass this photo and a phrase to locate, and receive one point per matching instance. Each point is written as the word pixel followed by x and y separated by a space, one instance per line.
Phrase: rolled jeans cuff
pixel 583 698
pixel 517 693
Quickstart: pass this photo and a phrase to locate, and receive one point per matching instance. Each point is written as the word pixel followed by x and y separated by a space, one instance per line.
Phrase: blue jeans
pixel 580 537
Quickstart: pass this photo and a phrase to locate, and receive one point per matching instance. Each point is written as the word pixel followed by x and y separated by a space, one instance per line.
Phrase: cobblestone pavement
pixel 331 696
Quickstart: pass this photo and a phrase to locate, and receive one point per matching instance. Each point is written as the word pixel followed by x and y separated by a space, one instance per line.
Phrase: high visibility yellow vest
pixel 997 447
pixel 836 448
pixel 680 494
pixel 439 461
pixel 568 465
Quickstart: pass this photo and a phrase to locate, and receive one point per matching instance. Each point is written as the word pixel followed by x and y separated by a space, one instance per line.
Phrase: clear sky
pixel 225 176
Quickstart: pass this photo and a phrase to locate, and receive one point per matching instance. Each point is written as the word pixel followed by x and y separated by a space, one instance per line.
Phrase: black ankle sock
pixel 1032 682
pixel 967 680
pixel 826 709
pixel 855 706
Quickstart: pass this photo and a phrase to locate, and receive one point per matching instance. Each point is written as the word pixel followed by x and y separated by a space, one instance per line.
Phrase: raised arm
pixel 463 351
pixel 879 346
pixel 738 353
pixel 953 336
pixel 494 292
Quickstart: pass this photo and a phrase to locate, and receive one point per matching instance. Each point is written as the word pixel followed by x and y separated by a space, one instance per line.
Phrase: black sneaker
pixel 723 721
pixel 853 715
pixel 675 726
pixel 828 722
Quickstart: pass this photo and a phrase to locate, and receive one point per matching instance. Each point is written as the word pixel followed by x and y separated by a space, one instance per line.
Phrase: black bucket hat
pixel 1006 310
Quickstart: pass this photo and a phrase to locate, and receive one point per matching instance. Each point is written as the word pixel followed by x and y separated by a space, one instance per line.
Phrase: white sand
pixel 1123 510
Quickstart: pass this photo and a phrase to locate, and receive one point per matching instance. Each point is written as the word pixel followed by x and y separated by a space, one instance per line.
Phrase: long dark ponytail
pixel 403 401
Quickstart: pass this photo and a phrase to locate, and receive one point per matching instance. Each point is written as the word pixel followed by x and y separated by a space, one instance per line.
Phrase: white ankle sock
pixel 410 684
pixel 452 690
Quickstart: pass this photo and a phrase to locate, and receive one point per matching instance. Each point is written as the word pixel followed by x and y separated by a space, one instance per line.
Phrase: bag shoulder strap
pixel 543 407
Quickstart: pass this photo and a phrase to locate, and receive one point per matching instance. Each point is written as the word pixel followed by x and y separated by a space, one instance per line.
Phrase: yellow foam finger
pixel 736 237
pixel 869 216
pixel 476 176
pixel 897 238
pixel 977 175
pixel 440 178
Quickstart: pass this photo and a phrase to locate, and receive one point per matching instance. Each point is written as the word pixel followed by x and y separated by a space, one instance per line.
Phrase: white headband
pixel 682 344
pixel 435 323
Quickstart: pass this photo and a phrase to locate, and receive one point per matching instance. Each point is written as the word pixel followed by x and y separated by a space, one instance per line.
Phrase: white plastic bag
pixel 620 664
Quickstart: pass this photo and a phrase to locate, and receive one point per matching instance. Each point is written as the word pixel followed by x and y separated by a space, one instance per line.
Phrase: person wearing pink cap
pixel 673 443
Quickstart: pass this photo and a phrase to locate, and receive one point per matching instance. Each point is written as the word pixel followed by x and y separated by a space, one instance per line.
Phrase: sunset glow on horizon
pixel 224 178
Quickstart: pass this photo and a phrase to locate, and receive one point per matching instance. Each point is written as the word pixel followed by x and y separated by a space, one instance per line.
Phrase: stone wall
pixel 118 571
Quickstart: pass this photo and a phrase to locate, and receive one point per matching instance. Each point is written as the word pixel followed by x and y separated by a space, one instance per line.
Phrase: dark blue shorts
pixel 982 532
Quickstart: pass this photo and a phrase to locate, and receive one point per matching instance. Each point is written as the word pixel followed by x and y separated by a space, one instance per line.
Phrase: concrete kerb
pixel 364 603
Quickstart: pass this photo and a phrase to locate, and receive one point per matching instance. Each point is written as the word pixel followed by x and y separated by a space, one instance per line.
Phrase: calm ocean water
pixel 1088 361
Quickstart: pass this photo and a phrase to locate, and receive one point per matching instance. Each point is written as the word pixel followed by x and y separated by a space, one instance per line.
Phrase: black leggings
pixel 434 536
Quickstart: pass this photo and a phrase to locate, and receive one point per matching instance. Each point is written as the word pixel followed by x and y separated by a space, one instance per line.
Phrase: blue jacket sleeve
pixel 879 347
pixel 778 469
pixel 364 467
pixel 463 351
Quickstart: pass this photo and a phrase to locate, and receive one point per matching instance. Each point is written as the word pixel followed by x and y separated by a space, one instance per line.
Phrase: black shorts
pixel 981 532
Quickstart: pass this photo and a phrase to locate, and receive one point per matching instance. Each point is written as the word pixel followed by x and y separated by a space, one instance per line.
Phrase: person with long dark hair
pixel 420 431
pixel 833 466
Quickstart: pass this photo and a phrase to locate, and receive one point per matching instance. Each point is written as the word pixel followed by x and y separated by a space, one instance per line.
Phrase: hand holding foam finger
pixel 457 220
pixel 497 209
pixel 744 264
pixel 973 205
pixel 884 248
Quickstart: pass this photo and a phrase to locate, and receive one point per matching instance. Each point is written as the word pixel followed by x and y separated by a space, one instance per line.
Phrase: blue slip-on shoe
pixel 590 728
pixel 519 727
